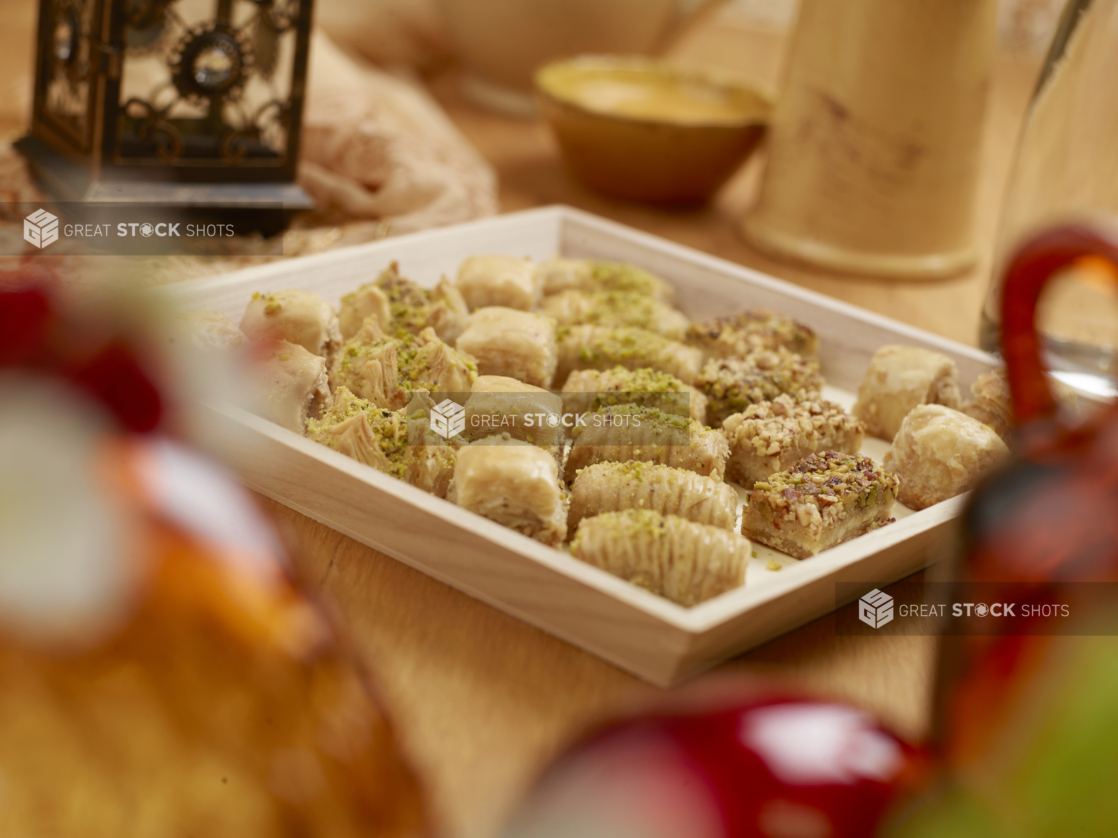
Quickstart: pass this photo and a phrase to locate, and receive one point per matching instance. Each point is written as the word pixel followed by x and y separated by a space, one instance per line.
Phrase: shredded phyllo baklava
pixel 387 371
pixel 589 390
pixel 738 335
pixel 631 433
pixel 685 562
pixel 401 307
pixel 732 384
pixel 615 308
pixel 397 442
pixel 768 437
pixel 604 347
pixel 611 487
pixel 823 500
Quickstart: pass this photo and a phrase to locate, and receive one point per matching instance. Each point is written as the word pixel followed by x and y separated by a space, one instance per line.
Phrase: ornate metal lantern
pixel 190 102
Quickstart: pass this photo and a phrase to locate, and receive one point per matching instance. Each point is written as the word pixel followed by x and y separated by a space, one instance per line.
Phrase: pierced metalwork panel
pixel 211 84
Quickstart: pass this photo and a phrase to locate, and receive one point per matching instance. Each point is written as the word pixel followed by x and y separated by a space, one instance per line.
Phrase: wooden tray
pixel 654 639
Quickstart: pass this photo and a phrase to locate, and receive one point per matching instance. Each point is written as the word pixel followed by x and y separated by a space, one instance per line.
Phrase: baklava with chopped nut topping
pixel 732 384
pixel 738 335
pixel 678 559
pixel 823 500
pixel 768 437
pixel 558 275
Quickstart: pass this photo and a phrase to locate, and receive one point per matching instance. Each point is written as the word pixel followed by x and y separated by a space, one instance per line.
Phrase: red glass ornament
pixel 768 766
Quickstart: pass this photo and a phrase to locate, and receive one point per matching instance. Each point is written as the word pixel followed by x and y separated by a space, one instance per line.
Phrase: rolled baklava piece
pixel 295 316
pixel 513 483
pixel 508 281
pixel 612 487
pixel 900 378
pixel 616 308
pixel 738 335
pixel 772 436
pixel 291 384
pixel 631 433
pixel 939 453
pixel 823 500
pixel 511 343
pixel 588 390
pixel 606 347
pixel 672 557
pixel 992 403
pixel 733 384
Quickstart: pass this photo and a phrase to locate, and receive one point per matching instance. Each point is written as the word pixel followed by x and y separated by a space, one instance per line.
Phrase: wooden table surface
pixel 483 701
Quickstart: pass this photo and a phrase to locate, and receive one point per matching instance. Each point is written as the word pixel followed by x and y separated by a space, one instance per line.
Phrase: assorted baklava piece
pixel 991 402
pixel 733 384
pixel 939 453
pixel 588 390
pixel 899 379
pixel 396 442
pixel 772 436
pixel 822 501
pixel 291 384
pixel 512 343
pixel 400 306
pixel 678 559
pixel 625 433
pixel 513 483
pixel 296 316
pixel 615 486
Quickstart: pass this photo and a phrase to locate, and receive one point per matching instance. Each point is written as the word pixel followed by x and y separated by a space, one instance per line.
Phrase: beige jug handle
pixel 689 14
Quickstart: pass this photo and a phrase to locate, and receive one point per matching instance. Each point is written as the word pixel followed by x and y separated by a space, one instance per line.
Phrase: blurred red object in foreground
pixel 161 674
pixel 757 765
pixel 38 335
pixel 1027 718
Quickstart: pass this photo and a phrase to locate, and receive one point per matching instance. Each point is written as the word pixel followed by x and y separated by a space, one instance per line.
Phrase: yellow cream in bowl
pixel 648 90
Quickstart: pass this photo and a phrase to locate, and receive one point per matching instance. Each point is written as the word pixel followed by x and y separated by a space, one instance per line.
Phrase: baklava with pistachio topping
pixel 605 347
pixel 397 442
pixel 632 433
pixel 823 500
pixel 402 307
pixel 615 308
pixel 588 390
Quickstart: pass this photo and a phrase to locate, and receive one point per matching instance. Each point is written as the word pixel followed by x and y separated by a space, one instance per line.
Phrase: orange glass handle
pixel 1030 269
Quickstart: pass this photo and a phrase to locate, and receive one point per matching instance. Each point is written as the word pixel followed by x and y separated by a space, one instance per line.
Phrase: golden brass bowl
pixel 651 131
